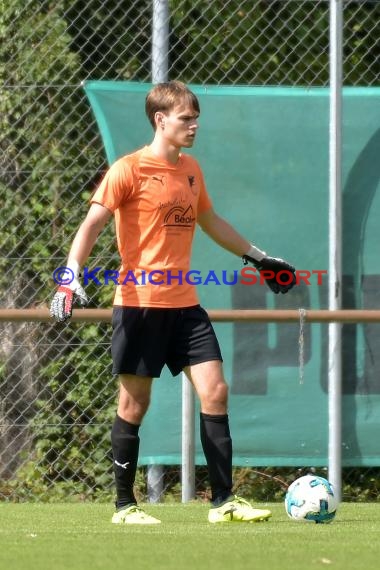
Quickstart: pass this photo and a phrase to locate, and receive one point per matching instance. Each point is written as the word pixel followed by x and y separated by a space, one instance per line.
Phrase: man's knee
pixel 134 398
pixel 220 394
pixel 214 400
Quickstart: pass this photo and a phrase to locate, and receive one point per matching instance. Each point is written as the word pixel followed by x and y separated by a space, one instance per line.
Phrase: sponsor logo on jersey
pixel 179 216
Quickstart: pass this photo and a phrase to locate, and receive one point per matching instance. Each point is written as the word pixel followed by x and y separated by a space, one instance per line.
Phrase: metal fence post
pixel 188 441
pixel 160 40
pixel 160 45
pixel 335 246
pixel 155 483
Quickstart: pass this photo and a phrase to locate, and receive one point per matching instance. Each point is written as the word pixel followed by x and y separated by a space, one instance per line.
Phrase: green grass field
pixel 81 537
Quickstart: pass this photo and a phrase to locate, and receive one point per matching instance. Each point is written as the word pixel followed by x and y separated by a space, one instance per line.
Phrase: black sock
pixel 217 447
pixel 125 450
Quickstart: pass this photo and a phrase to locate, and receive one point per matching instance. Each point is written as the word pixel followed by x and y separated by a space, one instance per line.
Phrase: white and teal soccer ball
pixel 311 499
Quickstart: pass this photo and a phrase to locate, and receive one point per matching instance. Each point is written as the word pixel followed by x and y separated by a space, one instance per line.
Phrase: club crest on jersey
pixel 192 185
pixel 180 217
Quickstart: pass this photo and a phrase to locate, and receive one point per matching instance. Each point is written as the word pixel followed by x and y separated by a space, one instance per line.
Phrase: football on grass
pixel 311 499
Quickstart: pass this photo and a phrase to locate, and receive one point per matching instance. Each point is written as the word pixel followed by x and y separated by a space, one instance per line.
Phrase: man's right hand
pixel 67 294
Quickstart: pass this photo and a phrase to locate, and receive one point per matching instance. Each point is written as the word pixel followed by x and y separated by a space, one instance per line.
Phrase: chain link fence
pixel 54 418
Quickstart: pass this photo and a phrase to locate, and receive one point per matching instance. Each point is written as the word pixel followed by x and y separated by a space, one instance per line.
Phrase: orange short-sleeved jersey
pixel 155 204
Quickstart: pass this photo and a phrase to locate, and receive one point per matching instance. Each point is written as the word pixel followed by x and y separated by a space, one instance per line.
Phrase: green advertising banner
pixel 264 153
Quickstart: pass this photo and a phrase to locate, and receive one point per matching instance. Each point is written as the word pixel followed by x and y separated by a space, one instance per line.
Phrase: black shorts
pixel 144 339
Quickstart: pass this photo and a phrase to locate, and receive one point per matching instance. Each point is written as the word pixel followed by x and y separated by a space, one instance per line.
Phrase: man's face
pixel 180 125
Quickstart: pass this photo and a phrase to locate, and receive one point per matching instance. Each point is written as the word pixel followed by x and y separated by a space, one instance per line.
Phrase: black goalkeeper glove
pixel 271 269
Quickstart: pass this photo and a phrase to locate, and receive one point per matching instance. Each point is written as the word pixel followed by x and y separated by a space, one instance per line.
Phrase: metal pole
pixel 188 439
pixel 346 316
pixel 160 41
pixel 335 247
pixel 155 483
pixel 160 46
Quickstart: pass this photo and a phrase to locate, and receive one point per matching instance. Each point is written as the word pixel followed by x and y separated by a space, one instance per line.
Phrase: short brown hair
pixel 165 96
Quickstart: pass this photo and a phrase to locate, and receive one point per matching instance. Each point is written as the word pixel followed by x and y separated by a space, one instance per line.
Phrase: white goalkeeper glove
pixel 69 291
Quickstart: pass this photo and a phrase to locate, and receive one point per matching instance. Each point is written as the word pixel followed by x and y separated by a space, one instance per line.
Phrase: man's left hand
pixel 271 269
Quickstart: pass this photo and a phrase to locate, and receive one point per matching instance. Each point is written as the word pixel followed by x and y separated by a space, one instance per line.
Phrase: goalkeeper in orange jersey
pixel 157 195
